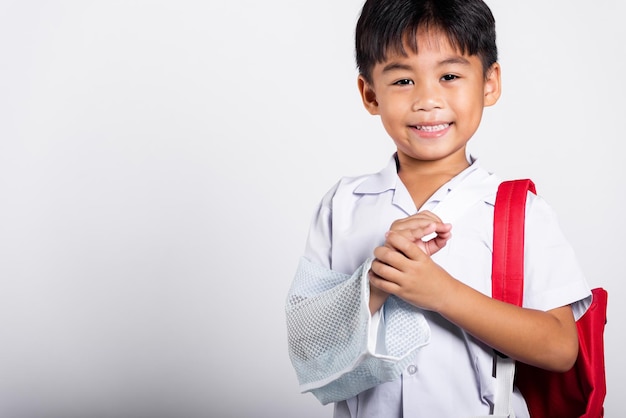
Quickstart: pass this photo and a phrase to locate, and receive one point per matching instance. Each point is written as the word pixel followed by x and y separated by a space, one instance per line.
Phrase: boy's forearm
pixel 544 339
pixel 377 299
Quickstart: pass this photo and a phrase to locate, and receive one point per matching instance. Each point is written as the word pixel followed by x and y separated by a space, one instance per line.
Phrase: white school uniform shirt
pixel 452 375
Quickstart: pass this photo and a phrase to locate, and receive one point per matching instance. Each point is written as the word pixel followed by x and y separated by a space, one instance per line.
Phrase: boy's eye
pixel 403 82
pixel 449 77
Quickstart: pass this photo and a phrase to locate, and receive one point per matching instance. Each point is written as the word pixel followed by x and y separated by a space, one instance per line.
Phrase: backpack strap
pixel 507 277
pixel 507 274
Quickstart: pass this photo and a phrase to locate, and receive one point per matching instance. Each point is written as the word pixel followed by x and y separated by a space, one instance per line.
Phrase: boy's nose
pixel 427 98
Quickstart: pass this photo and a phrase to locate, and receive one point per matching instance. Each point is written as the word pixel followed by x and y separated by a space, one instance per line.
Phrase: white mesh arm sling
pixel 328 326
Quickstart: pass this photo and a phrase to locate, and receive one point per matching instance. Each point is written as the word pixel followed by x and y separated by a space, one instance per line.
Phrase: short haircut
pixel 387 26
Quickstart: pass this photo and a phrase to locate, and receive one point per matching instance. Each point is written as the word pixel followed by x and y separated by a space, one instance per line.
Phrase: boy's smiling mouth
pixel 432 128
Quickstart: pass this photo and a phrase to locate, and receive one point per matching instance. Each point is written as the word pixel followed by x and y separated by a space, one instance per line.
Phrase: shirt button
pixel 412 369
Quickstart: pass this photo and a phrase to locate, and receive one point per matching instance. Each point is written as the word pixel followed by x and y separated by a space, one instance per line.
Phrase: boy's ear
pixel 368 95
pixel 493 85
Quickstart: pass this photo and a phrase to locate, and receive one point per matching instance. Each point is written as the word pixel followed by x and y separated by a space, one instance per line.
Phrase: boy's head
pixel 428 68
pixel 390 26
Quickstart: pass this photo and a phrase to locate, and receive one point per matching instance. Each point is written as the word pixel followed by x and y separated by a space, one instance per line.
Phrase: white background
pixel 160 162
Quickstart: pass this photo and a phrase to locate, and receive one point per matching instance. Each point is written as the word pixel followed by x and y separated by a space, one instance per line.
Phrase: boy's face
pixel 431 103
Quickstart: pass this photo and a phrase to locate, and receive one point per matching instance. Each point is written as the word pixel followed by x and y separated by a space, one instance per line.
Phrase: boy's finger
pixel 382 283
pixel 440 229
pixel 415 234
pixel 404 245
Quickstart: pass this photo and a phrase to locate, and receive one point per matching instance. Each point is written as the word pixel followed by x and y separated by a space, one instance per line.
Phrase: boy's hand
pixel 403 269
pixel 420 225
pixel 410 232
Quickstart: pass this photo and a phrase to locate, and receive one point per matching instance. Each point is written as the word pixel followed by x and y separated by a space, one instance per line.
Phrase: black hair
pixel 387 26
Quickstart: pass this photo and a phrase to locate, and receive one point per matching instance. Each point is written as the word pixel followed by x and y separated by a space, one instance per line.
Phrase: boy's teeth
pixel 432 128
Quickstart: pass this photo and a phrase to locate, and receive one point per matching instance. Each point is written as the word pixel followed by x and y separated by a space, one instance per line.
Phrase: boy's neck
pixel 413 168
pixel 423 178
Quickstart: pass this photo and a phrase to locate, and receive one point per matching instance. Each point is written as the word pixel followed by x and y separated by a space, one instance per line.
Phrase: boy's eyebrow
pixel 396 66
pixel 455 60
pixel 400 66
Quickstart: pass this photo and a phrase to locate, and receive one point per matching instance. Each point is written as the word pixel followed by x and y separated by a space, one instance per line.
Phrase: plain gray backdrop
pixel 160 162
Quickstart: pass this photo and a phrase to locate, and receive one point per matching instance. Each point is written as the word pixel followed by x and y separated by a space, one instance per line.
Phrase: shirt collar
pixel 388 179
pixel 384 180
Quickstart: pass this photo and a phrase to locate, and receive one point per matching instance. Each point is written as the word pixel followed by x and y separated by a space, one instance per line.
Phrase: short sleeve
pixel 553 276
pixel 319 241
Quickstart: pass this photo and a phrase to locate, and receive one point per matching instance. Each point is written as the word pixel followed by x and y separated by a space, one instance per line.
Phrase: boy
pixel 390 313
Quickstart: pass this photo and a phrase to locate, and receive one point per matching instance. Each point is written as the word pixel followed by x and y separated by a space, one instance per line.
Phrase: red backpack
pixel 579 392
